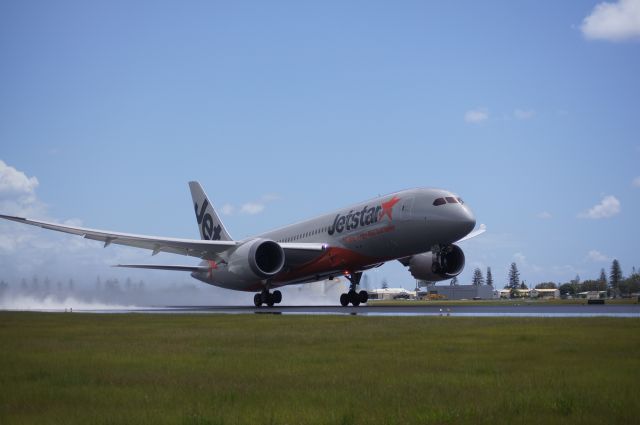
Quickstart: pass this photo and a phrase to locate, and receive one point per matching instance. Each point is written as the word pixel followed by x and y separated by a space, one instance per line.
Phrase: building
pixel 391 294
pixel 532 293
pixel 461 292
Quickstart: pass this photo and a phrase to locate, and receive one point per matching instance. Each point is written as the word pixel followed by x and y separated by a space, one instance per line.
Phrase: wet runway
pixel 524 310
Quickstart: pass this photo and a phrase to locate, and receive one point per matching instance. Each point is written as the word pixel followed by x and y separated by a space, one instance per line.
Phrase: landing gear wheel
pixel 354 298
pixel 363 296
pixel 267 298
pixel 277 297
pixel 257 300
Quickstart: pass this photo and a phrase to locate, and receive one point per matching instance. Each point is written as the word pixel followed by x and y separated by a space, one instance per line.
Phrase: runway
pixel 523 310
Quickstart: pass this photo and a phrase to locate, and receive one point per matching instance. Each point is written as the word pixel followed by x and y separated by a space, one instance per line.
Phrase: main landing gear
pixel 353 297
pixel 441 252
pixel 268 298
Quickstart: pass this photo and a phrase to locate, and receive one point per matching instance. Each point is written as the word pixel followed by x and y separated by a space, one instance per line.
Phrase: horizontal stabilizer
pixel 165 267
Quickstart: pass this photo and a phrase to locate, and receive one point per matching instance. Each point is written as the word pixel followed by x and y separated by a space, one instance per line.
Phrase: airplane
pixel 418 227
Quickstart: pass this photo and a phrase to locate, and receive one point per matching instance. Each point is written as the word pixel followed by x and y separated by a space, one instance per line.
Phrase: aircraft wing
pixel 204 249
pixel 480 230
pixel 303 246
pixel 165 267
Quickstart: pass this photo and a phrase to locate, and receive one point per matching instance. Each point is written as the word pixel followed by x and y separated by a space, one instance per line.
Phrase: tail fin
pixel 210 225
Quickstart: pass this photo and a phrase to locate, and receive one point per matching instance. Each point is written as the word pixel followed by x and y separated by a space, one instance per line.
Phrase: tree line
pixel 615 283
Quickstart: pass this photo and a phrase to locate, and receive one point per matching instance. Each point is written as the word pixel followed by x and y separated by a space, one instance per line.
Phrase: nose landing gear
pixel 353 297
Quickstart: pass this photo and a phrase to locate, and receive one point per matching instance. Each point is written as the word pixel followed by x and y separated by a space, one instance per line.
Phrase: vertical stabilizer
pixel 209 224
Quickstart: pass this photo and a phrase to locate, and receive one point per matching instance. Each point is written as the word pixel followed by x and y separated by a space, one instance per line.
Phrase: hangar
pixel 531 293
pixel 391 294
pixel 462 292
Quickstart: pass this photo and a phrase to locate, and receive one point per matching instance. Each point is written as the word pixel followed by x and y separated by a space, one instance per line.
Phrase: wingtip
pixel 12 217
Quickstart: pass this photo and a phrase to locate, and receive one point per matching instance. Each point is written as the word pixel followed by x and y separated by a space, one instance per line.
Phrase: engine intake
pixel 434 267
pixel 266 258
pixel 261 257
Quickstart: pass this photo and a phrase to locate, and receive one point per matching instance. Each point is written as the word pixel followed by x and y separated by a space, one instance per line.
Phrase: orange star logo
pixel 212 266
pixel 387 207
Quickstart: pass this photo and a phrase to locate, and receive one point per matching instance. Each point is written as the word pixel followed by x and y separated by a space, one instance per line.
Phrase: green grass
pixel 253 369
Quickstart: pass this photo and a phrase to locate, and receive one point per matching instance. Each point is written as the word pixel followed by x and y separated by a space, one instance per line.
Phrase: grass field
pixel 252 369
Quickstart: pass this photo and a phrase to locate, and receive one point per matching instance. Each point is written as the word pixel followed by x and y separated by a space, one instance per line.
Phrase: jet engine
pixel 442 263
pixel 258 258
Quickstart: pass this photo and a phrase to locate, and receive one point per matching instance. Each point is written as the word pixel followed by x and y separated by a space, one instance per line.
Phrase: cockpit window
pixel 460 200
pixel 452 200
pixel 439 201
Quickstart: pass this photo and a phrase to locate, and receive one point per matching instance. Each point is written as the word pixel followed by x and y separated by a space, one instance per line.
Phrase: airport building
pixel 391 294
pixel 532 293
pixel 461 292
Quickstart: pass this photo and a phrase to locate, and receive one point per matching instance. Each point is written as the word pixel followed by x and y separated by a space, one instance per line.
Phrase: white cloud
pixel 636 182
pixel 524 114
pixel 14 182
pixel 18 193
pixel 613 21
pixel 597 256
pixel 476 116
pixel 608 207
pixel 544 215
pixel 252 208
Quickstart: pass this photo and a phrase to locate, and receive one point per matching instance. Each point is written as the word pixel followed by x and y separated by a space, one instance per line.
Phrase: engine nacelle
pixel 258 258
pixel 434 267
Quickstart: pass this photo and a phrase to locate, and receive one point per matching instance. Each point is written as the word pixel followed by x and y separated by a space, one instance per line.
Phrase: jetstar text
pixel 353 220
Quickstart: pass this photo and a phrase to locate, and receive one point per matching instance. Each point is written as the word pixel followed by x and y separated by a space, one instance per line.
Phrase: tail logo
pixel 205 221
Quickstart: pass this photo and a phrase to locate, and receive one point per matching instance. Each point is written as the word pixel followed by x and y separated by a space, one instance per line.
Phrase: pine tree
pixel 603 276
pixel 602 281
pixel 616 274
pixel 454 281
pixel 489 277
pixel 514 276
pixel 478 279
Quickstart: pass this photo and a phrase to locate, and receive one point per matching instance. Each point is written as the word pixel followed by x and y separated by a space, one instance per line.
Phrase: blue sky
pixel 528 110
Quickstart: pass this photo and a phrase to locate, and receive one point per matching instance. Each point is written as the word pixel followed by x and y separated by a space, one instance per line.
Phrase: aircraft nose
pixel 466 221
